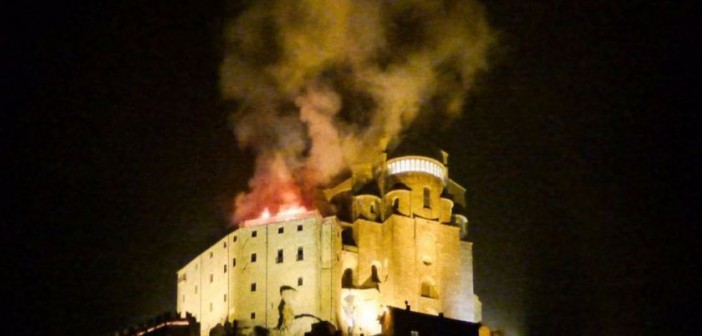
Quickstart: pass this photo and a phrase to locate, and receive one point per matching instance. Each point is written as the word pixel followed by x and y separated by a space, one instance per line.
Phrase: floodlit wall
pixel 246 275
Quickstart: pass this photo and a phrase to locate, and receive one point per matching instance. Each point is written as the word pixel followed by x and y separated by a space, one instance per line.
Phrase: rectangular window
pixel 281 230
pixel 299 227
pixel 254 233
pixel 234 239
pixel 253 257
pixel 233 262
pixel 211 254
pixel 253 287
pixel 225 268
pixel 427 198
pixel 300 254
pixel 211 277
pixel 279 257
pixel 299 281
pixel 253 316
pixel 225 244
pixel 225 297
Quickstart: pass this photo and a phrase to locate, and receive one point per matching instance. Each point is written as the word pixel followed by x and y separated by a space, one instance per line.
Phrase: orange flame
pixel 283 212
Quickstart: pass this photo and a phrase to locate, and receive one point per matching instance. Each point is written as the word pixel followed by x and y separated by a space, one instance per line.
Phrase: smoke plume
pixel 319 83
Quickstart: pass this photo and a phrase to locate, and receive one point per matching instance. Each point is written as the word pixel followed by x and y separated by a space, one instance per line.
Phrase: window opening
pixel 427 198
pixel 279 257
pixel 300 254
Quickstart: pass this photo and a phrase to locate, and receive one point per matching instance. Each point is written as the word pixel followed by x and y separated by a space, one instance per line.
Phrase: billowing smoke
pixel 319 83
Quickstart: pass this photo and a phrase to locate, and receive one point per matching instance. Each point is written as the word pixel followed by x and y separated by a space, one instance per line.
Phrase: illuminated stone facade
pixel 397 239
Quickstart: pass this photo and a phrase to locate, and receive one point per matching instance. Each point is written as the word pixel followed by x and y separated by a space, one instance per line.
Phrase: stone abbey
pixel 398 239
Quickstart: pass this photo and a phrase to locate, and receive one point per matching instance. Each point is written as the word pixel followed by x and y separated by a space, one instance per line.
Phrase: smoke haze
pixel 320 83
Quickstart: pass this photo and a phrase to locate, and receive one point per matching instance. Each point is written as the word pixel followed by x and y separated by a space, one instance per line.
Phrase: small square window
pixel 253 316
pixel 233 262
pixel 299 227
pixel 281 230
pixel 253 257
pixel 299 281
pixel 253 287
pixel 225 268
pixel 254 233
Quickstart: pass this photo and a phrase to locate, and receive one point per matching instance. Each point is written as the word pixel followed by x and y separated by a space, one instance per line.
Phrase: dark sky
pixel 579 150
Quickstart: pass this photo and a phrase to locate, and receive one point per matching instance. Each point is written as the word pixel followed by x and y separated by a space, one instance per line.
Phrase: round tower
pixel 414 186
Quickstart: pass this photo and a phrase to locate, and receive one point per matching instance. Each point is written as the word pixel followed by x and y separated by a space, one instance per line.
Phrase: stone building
pixel 397 239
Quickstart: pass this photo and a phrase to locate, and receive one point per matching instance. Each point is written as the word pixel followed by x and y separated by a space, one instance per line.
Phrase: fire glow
pixel 286 211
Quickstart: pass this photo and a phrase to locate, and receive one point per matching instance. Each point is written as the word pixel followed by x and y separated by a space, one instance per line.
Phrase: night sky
pixel 579 150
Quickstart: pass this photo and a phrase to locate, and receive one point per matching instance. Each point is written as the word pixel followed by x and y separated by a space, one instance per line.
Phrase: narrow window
pixel 183 297
pixel 299 227
pixel 347 279
pixel 281 230
pixel 210 306
pixel 253 287
pixel 195 289
pixel 253 233
pixel 299 281
pixel 253 316
pixel 225 244
pixel 211 254
pixel 233 262
pixel 234 239
pixel 279 257
pixel 211 277
pixel 427 198
pixel 253 257
pixel 300 254
pixel 225 297
pixel 225 268
pixel 374 274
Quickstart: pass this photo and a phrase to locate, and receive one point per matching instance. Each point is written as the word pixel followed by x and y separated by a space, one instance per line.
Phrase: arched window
pixel 374 274
pixel 347 279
